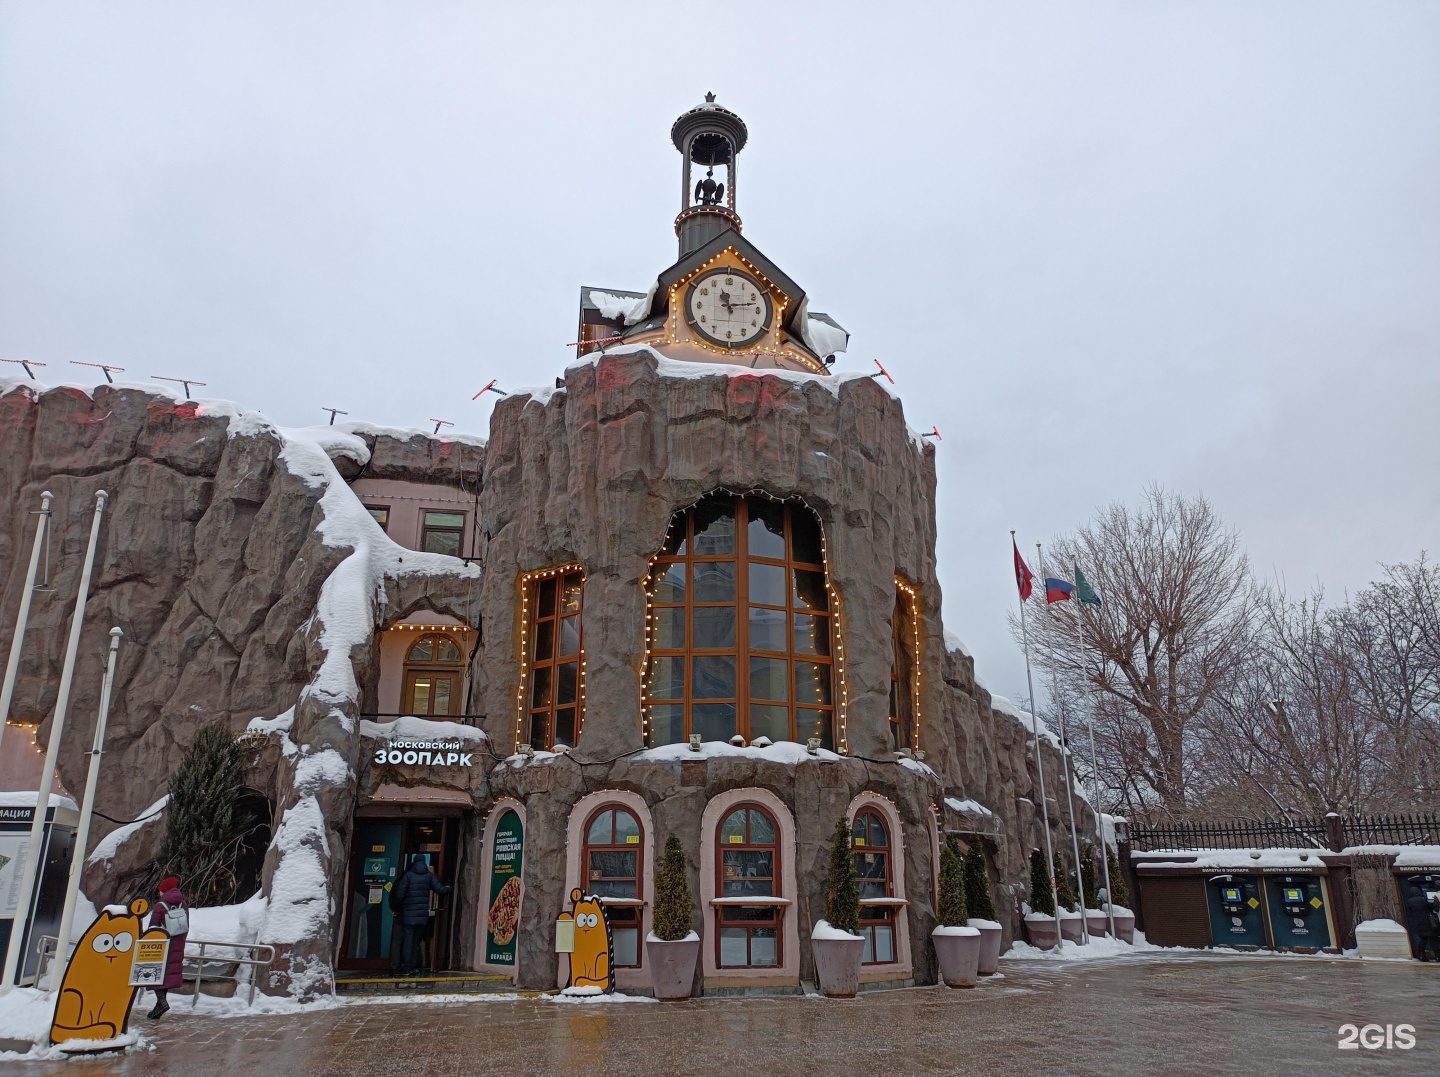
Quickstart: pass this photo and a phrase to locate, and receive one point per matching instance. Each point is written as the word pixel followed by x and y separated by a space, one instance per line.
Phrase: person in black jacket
pixel 1421 912
pixel 411 903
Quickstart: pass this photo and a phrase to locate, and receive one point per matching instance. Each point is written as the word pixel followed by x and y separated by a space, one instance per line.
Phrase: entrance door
pixel 382 850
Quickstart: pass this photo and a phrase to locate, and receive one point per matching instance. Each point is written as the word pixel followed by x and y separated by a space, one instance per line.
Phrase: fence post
pixel 1334 831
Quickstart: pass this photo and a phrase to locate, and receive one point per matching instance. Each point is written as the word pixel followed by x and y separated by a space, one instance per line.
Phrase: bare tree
pixel 1176 619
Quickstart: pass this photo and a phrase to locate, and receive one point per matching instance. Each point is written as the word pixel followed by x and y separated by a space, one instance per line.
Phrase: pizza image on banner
pixel 505 912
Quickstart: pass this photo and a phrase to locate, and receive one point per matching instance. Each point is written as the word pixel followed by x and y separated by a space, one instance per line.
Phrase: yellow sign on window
pixel 632 839
pixel 737 839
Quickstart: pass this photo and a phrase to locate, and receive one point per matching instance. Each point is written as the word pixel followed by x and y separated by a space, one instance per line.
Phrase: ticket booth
pixel 17 810
pixel 1298 912
pixel 1237 914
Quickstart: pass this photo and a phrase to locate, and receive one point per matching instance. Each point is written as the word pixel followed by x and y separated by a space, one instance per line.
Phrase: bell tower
pixel 708 137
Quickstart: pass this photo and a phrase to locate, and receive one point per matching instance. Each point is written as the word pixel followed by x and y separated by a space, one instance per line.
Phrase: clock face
pixel 728 308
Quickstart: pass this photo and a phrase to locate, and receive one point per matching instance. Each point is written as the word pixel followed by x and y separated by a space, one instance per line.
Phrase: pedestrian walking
pixel 411 903
pixel 173 914
pixel 1424 921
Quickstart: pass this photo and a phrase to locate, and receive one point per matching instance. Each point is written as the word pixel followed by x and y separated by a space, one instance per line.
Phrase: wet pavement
pixel 1144 1014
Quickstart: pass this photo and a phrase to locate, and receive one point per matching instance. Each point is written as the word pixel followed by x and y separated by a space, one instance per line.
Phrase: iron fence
pixel 1331 832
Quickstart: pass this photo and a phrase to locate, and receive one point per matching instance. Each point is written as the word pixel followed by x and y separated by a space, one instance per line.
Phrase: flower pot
pixel 1097 923
pixel 991 936
pixel 1041 930
pixel 1124 924
pixel 1069 926
pixel 837 960
pixel 958 950
pixel 672 965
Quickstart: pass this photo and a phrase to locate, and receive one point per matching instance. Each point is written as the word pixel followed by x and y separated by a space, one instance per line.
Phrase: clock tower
pixel 723 301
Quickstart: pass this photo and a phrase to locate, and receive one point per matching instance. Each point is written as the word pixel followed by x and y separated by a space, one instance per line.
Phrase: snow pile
pixel 691 937
pixel 1238 860
pixel 620 307
pixel 228 923
pixel 110 844
pixel 823 932
pixel 785 751
pixel 970 930
pixel 1098 948
pixel 405 434
pixel 410 727
pixel 1381 925
pixel 955 643
pixel 1001 705
pixel 299 907
pixel 917 766
pixel 968 807
pixel 589 996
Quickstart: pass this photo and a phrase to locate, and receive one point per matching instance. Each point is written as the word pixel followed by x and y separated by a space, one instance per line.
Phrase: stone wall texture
pixel 213 563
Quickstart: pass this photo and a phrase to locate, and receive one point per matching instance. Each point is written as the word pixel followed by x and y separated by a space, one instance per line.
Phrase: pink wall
pixel 20 761
pixel 408 501
pixel 395 644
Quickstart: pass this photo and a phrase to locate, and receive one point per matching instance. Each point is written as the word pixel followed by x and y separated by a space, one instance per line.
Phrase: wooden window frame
pixel 422 666
pixel 638 848
pixel 532 588
pixel 427 529
pixel 742 650
pixel 873 916
pixel 776 922
pixel 373 509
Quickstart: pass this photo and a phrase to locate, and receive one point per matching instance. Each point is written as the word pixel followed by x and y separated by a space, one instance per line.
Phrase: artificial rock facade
pixel 232 559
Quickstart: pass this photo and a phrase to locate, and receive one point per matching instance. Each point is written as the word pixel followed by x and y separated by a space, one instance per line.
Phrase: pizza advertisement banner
pixel 507 855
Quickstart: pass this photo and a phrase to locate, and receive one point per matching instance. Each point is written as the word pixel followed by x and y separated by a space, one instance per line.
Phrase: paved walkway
pixel 1150 1014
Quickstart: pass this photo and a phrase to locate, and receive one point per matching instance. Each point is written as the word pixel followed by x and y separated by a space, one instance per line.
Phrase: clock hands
pixel 729 306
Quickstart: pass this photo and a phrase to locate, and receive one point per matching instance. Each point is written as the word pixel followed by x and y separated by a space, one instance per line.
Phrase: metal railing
pixel 252 956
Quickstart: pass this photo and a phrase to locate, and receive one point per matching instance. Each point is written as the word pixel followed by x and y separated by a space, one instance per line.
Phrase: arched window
pixel 433 676
pixel 904 667
pixel 870 841
pixel 613 861
pixel 554 699
pixel 739 626
pixel 748 925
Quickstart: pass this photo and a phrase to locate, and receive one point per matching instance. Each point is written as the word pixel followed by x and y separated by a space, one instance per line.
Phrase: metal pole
pixel 1065 764
pixel 1095 777
pixel 12 664
pixel 47 776
pixel 1040 770
pixel 87 809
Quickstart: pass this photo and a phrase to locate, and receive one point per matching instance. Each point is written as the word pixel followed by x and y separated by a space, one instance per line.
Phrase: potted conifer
pixel 1095 919
pixel 1065 897
pixel 835 941
pixel 672 947
pixel 981 908
pixel 957 944
pixel 1041 927
pixel 1120 900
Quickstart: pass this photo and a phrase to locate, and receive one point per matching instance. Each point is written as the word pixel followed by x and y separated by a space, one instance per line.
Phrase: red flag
pixel 1023 575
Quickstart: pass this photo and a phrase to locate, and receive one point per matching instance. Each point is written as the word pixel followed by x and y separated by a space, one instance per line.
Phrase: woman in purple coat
pixel 172 914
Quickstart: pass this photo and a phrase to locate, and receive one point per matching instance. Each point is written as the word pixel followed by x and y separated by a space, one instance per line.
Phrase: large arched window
pixel 870 841
pixel 553 697
pixel 433 676
pixel 739 626
pixel 748 924
pixel 613 861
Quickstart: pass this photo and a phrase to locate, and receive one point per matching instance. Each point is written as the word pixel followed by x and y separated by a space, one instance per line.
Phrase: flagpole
pixel 1094 765
pixel 1040 770
pixel 1065 763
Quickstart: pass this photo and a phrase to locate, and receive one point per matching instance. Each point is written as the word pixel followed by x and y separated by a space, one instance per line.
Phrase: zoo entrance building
pixel 690 588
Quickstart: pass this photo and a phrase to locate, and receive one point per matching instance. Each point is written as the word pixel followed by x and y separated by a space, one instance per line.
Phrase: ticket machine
pixel 1236 915
pixel 1297 912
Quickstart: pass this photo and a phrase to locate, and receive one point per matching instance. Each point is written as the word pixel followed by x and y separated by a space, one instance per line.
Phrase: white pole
pixel 1040 770
pixel 12 664
pixel 87 809
pixel 47 776
pixel 1095 774
pixel 1065 763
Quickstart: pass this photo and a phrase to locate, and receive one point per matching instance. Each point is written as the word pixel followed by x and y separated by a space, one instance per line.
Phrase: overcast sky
pixel 1097 244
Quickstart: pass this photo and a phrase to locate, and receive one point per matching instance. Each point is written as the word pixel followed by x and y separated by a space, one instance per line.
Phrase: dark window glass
pixel 554 698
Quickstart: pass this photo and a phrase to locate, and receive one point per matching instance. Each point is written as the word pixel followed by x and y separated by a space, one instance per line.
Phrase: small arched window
pixel 739 626
pixel 433 676
pixel 870 841
pixel 748 926
pixel 613 860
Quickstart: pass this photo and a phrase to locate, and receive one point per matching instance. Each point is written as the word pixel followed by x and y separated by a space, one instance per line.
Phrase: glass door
pixel 374 870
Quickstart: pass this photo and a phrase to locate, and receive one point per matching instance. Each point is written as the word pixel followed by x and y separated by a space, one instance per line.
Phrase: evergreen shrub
pixel 1041 900
pixel 977 882
pixel 1119 892
pixel 1089 877
pixel 203 828
pixel 842 888
pixel 952 910
pixel 1064 891
pixel 673 912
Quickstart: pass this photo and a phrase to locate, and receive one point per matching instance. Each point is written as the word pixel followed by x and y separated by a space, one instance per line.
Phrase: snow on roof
pixel 968 807
pixel 1406 856
pixel 823 335
pixel 1236 860
pixel 784 751
pixel 628 307
pixel 415 728
pixel 25 798
pixel 405 434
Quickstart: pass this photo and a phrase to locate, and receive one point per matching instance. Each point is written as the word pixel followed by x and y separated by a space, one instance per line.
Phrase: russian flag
pixel 1058 590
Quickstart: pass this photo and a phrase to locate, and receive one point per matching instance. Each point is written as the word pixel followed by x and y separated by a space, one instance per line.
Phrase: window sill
pixel 890 901
pixel 624 903
pixel 751 901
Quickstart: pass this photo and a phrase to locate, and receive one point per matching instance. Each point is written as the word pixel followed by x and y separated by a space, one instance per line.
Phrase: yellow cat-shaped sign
pixel 592 962
pixel 95 995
